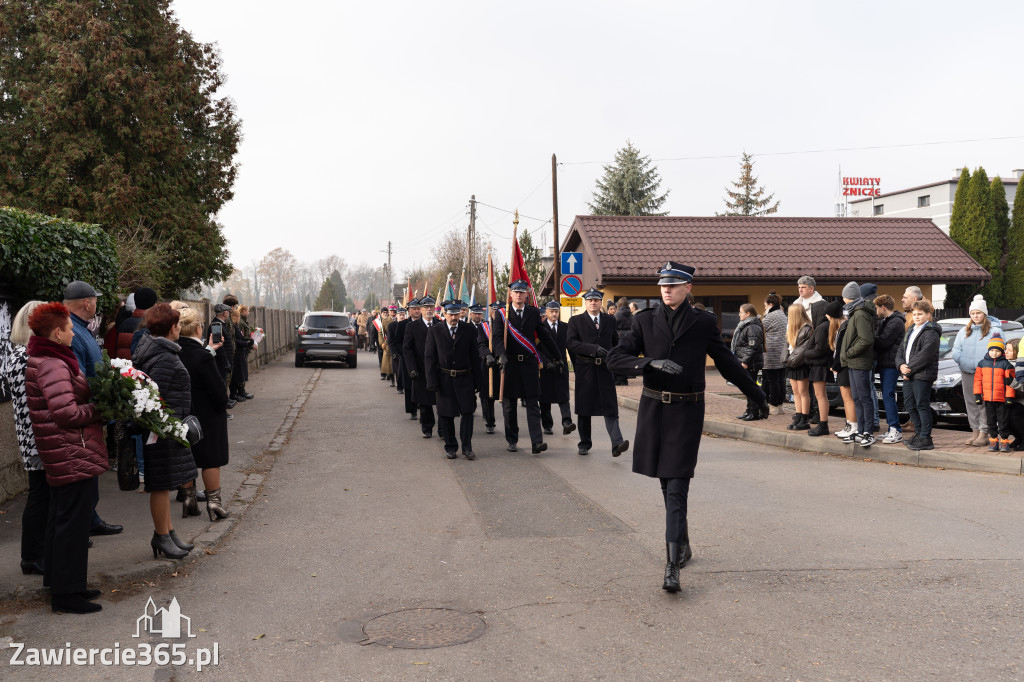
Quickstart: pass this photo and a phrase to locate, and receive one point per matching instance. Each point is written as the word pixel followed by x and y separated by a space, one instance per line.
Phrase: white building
pixel 934 201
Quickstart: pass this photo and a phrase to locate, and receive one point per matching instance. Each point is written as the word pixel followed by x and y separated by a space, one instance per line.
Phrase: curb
pixel 215 533
pixel 933 459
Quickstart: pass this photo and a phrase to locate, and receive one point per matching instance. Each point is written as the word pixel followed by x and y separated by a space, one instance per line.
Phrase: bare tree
pixel 278 270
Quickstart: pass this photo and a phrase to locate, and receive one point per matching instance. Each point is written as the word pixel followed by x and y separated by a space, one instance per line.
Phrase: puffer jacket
pixel 748 342
pixel 169 464
pixel 992 380
pixel 775 346
pixel 923 356
pixel 858 349
pixel 888 336
pixel 14 369
pixel 968 351
pixel 66 425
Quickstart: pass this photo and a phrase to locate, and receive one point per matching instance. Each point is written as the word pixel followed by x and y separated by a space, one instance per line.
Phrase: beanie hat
pixel 979 304
pixel 834 310
pixel 145 298
pixel 868 290
pixel 997 342
pixel 851 290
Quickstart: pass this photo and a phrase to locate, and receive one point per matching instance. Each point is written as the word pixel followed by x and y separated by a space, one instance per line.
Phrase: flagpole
pixel 491 314
pixel 508 303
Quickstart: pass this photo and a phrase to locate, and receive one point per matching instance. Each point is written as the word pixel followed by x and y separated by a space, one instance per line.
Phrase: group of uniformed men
pixel 446 362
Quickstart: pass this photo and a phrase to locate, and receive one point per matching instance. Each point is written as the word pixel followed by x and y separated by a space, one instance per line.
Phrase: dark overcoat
pixel 554 382
pixel 396 341
pixel 668 435
pixel 209 404
pixel 414 345
pixel 522 379
pixel 595 385
pixel 455 395
pixel 169 464
pixel 483 348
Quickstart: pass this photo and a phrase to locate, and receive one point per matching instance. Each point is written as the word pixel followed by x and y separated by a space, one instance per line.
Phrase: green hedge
pixel 40 255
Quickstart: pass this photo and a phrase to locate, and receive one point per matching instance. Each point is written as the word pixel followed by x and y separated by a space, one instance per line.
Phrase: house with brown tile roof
pixel 740 259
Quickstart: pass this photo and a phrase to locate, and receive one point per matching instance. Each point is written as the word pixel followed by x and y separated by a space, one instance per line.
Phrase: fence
pixel 1001 313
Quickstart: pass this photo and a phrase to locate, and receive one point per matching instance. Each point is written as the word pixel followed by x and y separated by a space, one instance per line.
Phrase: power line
pixel 811 151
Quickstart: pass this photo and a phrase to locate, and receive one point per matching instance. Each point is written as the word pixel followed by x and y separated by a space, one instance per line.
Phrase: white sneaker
pixel 847 430
pixel 866 440
pixel 893 436
pixel 852 437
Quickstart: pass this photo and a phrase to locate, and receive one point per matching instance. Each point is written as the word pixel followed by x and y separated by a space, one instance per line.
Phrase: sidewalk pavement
pixel 723 402
pixel 257 432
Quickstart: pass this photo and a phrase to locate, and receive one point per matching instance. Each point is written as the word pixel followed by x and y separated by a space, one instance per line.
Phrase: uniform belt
pixel 517 358
pixel 454 372
pixel 668 397
pixel 587 360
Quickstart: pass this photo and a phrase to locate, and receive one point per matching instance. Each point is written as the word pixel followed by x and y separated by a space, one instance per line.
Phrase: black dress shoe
pixel 743 416
pixel 489 429
pixel 401 391
pixel 105 528
pixel 512 447
pixel 583 451
pixel 620 448
pixel 413 417
pixel 537 449
pixel 32 567
pixel 567 428
pixel 450 455
pixel 239 398
pixel 249 396
pixel 89 594
pixel 428 434
pixel 232 403
pixel 72 603
pixel 548 431
pixel 749 417
pixel 469 454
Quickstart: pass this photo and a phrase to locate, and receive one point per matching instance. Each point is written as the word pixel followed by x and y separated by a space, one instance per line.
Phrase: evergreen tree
pixel 974 223
pixel 109 115
pixel 1013 282
pixel 629 186
pixel 995 244
pixel 748 199
pixel 341 292
pixel 957 227
pixel 327 299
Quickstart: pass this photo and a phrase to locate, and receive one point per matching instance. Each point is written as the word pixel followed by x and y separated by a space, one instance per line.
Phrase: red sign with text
pixel 862 187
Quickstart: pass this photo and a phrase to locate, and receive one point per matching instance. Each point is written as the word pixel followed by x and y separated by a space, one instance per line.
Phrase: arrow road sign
pixel 572 263
pixel 571 285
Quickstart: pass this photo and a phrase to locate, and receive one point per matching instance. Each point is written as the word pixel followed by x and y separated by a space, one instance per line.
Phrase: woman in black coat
pixel 819 358
pixel 210 405
pixel 169 465
pixel 748 347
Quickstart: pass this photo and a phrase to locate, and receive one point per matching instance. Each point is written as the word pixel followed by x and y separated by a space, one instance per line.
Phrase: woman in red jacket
pixel 69 438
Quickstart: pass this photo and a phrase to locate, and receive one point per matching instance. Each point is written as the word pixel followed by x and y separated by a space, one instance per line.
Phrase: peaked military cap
pixel 414 303
pixel 519 285
pixel 676 273
pixel 402 310
pixel 552 305
pixel 497 304
pixel 476 308
pixel 593 294
pixel 453 306
pixel 427 301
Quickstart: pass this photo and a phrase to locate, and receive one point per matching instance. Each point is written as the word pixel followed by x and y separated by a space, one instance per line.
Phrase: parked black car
pixel 325 335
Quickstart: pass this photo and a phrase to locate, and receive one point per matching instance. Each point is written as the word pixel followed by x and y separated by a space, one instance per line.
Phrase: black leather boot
pixel 163 544
pixel 671 583
pixel 181 544
pixel 685 553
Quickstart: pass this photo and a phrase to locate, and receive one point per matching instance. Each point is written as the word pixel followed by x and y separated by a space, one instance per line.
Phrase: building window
pixel 879 209
pixel 926 200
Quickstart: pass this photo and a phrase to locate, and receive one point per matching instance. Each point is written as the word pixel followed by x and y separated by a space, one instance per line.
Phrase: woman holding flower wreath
pixel 169 464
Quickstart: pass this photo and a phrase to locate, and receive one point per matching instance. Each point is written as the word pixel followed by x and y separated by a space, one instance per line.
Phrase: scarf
pixel 853 305
pixel 42 347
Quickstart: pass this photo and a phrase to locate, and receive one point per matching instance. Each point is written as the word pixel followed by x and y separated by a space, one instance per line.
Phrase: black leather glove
pixel 666 366
pixel 502 361
pixel 489 359
pixel 555 365
pixel 414 374
pixel 602 352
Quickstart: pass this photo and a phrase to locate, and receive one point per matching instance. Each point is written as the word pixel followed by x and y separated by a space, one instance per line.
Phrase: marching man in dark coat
pixel 483 337
pixel 452 365
pixel 402 371
pixel 592 334
pixel 414 347
pixel 520 364
pixel 396 337
pixel 554 380
pixel 674 339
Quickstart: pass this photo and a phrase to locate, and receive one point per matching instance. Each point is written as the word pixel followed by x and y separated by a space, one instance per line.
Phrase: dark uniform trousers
pixel 487 409
pixel 545 414
pixel 446 429
pixel 66 552
pixel 510 410
pixel 611 423
pixel 675 491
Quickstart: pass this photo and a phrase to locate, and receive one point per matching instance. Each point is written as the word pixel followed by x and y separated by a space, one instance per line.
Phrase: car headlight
pixel 948 380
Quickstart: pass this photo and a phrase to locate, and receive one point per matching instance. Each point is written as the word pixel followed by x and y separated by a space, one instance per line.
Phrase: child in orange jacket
pixel 992 387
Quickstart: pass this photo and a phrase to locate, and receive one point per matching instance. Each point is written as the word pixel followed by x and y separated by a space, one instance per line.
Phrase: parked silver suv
pixel 325 335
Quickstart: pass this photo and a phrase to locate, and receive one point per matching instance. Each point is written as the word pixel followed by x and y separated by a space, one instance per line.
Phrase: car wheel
pixel 352 361
pixel 298 360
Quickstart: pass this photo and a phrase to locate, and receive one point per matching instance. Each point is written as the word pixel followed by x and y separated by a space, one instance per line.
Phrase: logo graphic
pixel 165 622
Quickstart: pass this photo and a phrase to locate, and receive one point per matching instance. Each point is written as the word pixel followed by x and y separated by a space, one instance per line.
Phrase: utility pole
pixel 472 238
pixel 386 275
pixel 557 264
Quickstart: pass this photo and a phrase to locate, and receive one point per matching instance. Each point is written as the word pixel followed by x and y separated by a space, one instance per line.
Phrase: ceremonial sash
pixel 376 323
pixel 518 336
pixel 487 329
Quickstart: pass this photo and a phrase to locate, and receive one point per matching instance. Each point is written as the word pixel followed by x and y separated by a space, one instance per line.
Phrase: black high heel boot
pixel 181 544
pixel 189 506
pixel 671 583
pixel 163 544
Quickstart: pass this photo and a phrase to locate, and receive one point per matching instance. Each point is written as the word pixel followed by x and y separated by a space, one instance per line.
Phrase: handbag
pixel 195 429
pixel 795 360
pixel 127 463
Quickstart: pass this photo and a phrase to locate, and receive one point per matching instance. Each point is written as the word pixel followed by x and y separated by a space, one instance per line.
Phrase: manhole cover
pixel 423 628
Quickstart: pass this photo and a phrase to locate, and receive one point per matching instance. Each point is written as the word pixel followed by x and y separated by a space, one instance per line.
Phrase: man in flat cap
pixel 452 367
pixel 668 346
pixel 591 335
pixel 554 379
pixel 520 362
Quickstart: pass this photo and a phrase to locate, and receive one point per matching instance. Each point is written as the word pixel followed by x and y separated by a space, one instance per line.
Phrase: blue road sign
pixel 571 285
pixel 572 263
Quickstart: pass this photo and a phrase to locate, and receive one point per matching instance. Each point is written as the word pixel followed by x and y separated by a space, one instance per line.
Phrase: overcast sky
pixel 366 122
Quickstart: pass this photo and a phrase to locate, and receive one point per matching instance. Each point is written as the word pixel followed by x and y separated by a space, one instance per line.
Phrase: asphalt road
pixel 806 567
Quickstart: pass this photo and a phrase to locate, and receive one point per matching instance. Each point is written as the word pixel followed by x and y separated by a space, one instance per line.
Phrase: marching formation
pixel 445 356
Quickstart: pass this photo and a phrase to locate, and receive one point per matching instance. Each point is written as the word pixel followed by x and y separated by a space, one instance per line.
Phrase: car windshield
pixel 946 342
pixel 327 322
